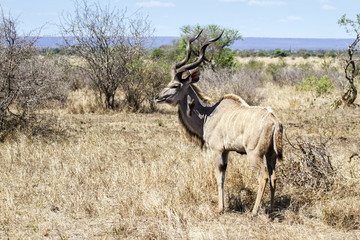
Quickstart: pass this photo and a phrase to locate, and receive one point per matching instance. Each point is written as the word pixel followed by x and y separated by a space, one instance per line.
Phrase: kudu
pixel 228 125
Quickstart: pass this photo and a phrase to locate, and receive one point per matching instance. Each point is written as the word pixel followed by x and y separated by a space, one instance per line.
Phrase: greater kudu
pixel 228 125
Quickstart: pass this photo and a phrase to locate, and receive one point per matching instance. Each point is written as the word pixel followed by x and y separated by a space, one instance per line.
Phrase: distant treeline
pixel 304 53
pixel 290 53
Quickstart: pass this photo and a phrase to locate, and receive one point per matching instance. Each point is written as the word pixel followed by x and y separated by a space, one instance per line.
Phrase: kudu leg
pixel 271 167
pixel 221 159
pixel 272 190
pixel 262 179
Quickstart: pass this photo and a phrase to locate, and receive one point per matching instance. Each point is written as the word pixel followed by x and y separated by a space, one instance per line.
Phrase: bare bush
pixel 71 71
pixel 110 43
pixel 151 78
pixel 16 99
pixel 28 81
pixel 337 78
pixel 289 75
pixel 308 169
pixel 14 52
pixel 47 83
pixel 245 83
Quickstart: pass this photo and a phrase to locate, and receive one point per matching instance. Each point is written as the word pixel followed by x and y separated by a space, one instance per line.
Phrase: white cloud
pixel 267 3
pixel 328 7
pixel 291 19
pixel 155 4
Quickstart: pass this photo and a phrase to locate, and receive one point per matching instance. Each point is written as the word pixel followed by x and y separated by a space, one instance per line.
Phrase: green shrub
pixel 324 85
pixel 157 53
pixel 320 86
pixel 280 53
pixel 262 53
pixel 254 65
pixel 306 55
pixel 226 58
pixel 307 84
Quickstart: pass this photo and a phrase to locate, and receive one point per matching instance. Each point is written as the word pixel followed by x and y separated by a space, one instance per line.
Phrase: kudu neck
pixel 193 112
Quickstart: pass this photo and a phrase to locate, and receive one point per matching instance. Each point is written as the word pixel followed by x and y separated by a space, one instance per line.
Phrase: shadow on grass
pixel 245 199
pixel 45 127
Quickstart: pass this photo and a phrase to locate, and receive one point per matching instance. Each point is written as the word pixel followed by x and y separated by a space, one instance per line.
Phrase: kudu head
pixel 183 75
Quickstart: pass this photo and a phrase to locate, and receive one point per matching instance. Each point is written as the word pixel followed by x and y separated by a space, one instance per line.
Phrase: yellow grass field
pixel 135 176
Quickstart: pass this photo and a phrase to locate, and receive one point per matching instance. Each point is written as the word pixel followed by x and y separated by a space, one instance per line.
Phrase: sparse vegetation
pixel 134 175
pixel 83 172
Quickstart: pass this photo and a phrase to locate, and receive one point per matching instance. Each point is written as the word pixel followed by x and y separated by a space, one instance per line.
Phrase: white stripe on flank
pixel 235 126
pixel 262 119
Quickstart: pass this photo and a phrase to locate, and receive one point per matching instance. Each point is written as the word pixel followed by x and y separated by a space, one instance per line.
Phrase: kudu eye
pixel 175 86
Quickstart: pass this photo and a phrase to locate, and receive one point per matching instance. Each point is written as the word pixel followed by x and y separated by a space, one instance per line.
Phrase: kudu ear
pixel 195 76
pixel 190 76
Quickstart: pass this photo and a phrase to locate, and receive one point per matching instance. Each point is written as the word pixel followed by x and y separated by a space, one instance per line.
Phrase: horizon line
pixel 58 36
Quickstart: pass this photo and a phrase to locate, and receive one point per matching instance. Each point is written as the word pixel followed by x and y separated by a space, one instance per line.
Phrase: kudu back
pixel 228 125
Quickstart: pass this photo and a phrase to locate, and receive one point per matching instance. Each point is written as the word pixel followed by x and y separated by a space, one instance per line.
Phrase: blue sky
pixel 253 18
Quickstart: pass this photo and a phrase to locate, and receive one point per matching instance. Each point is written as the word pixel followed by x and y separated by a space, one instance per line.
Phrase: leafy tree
pixel 219 53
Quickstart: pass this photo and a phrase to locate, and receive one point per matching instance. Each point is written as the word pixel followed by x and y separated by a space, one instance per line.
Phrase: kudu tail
pixel 277 140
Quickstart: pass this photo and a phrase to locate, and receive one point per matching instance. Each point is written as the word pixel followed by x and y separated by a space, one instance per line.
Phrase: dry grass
pixel 133 176
pixel 84 101
pixel 314 61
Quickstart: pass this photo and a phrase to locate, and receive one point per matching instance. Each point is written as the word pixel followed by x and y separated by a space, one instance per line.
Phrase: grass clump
pixel 254 65
pixel 342 213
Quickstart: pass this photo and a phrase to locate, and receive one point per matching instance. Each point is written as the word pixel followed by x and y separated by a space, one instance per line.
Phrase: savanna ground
pixel 122 175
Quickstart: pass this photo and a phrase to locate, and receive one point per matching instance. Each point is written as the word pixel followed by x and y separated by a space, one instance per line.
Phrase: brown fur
pixel 235 98
pixel 190 135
